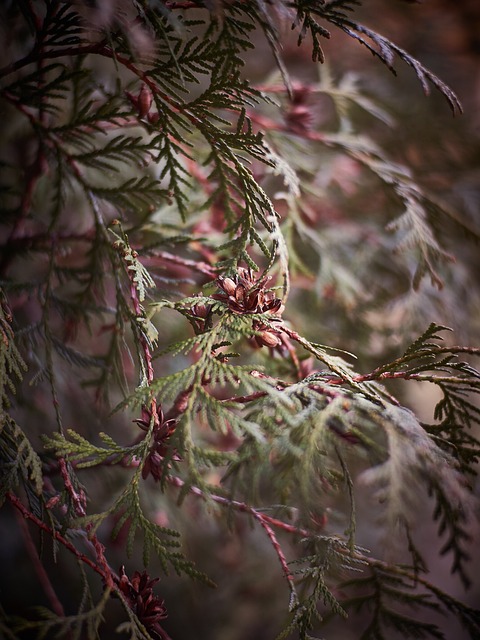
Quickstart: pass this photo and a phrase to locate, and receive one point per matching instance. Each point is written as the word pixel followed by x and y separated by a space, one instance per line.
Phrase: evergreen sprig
pixel 150 179
pixel 314 579
pixel 337 14
pixel 12 365
pixel 82 624
pixel 21 464
pixel 381 592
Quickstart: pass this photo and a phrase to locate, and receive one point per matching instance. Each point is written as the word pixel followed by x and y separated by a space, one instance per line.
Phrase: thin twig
pixel 265 521
pixel 42 574
pixel 55 534
pixel 165 256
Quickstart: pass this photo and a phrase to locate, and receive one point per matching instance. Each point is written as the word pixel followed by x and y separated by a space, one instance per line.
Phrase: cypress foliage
pixel 160 215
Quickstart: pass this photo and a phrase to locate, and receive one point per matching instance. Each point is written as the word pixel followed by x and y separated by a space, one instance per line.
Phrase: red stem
pixel 202 267
pixel 39 568
pixel 248 398
pixel 79 501
pixel 55 534
pixel 242 507
pixel 278 549
pixel 265 521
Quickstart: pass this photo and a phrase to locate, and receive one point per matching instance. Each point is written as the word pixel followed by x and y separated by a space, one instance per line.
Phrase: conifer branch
pixel 206 254
pixel 57 536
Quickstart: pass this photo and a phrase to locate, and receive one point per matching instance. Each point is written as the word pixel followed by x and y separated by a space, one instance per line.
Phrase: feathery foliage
pixel 191 258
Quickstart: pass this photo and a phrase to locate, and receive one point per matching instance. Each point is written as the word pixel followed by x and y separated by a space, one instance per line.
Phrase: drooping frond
pixel 11 362
pixel 412 451
pixel 20 461
pixel 337 13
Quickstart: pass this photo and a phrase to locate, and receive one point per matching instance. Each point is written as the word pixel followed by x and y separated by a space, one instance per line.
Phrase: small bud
pixel 240 293
pixel 268 339
pixel 154 117
pixel 200 310
pixel 259 298
pixel 145 100
pixel 275 306
pixel 52 502
pixel 299 118
pixel 228 285
pixel 246 274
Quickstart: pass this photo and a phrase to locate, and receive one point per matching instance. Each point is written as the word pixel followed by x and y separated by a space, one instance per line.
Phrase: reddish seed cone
pixel 138 592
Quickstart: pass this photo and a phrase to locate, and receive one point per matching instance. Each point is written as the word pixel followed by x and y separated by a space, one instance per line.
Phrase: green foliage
pixel 336 13
pixel 20 461
pixel 84 624
pixel 330 554
pixel 190 258
pixel 11 362
pixel 383 589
